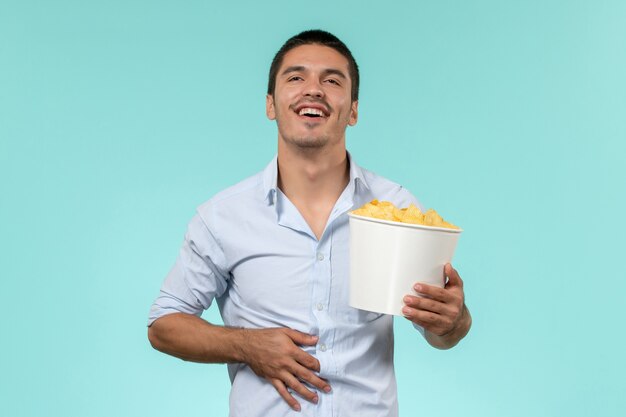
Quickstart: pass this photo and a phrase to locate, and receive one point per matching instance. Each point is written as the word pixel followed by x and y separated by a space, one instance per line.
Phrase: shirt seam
pixel 216 238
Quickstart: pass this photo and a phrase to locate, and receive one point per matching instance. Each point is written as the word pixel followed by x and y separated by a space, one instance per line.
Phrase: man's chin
pixel 308 142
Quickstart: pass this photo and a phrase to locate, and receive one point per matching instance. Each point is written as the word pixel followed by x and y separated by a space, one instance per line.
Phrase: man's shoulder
pixel 378 181
pixel 383 188
pixel 244 192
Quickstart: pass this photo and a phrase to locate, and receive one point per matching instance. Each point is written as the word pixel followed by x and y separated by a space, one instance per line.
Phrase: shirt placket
pixel 320 309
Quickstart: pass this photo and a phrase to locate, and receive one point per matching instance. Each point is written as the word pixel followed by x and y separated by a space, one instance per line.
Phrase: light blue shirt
pixel 250 249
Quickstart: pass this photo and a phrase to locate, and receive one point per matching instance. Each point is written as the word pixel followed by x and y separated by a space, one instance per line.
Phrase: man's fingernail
pixel 417 287
pixel 315 399
pixel 327 389
pixel 407 299
pixel 406 310
pixel 296 407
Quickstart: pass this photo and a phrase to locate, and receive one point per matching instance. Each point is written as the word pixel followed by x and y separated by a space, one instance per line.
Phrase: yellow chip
pixel 385 210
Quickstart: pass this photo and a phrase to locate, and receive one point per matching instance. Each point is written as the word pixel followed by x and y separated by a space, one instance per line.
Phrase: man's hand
pixel 440 311
pixel 274 354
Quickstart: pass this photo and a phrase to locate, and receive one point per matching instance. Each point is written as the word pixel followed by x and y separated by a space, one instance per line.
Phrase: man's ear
pixel 270 111
pixel 354 113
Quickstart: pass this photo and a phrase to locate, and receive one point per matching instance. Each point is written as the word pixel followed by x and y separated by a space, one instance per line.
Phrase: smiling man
pixel 280 277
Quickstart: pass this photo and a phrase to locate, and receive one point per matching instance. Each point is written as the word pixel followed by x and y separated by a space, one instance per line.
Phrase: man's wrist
pixel 241 344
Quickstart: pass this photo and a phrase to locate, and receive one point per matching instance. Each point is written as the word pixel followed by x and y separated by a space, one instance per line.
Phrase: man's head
pixel 312 99
pixel 317 37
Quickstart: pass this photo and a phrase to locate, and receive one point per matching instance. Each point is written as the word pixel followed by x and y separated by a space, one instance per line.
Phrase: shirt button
pixel 323 347
pixel 320 256
pixel 319 306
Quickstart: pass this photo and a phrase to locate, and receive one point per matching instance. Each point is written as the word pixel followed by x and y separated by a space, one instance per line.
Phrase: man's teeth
pixel 307 111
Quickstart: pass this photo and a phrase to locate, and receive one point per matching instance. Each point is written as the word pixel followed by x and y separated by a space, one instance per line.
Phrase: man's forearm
pixel 450 340
pixel 274 354
pixel 191 338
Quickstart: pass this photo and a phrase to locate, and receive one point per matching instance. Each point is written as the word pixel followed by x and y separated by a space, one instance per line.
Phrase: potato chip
pixel 385 210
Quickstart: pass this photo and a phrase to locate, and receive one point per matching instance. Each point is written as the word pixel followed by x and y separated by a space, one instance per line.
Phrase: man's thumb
pixel 454 279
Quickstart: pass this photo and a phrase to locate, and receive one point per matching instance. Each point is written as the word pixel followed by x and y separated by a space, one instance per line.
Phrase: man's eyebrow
pixel 295 68
pixel 333 71
pixel 327 71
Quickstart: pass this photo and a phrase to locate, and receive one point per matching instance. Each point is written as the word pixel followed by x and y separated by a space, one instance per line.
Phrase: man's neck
pixel 313 181
pixel 312 174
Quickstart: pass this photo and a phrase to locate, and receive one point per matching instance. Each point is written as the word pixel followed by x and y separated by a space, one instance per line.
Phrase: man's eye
pixel 332 81
pixel 294 78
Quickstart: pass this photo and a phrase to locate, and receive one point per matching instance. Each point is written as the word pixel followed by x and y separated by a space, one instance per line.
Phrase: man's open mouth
pixel 307 111
pixel 311 110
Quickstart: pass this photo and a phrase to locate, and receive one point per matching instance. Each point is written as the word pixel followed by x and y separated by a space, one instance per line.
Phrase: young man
pixel 273 251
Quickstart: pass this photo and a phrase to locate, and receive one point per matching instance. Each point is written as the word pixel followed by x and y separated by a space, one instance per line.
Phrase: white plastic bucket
pixel 387 258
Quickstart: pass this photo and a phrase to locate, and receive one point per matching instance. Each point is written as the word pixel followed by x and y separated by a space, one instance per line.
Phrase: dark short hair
pixel 319 37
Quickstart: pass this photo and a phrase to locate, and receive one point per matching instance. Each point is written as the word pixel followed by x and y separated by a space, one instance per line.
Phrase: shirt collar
pixel 270 178
pixel 356 173
pixel 270 181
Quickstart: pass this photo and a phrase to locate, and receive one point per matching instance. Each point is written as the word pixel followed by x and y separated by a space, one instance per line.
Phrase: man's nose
pixel 313 88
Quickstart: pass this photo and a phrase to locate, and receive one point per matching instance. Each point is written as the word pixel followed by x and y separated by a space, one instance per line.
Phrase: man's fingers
pixel 307 360
pixel 425 304
pixel 423 317
pixel 300 338
pixel 309 363
pixel 430 321
pixel 310 378
pixel 284 393
pixel 293 383
pixel 430 291
pixel 454 279
pixel 455 283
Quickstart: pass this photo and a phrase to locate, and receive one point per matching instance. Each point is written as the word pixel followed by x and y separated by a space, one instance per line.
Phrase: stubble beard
pixel 304 142
pixel 307 143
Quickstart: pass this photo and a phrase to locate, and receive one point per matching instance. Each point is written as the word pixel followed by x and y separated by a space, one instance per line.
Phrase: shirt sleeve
pixel 197 277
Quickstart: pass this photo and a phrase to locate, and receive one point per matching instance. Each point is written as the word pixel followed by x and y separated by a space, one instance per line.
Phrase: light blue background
pixel 118 118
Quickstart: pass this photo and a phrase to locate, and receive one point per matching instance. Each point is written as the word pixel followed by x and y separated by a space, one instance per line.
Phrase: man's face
pixel 311 104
